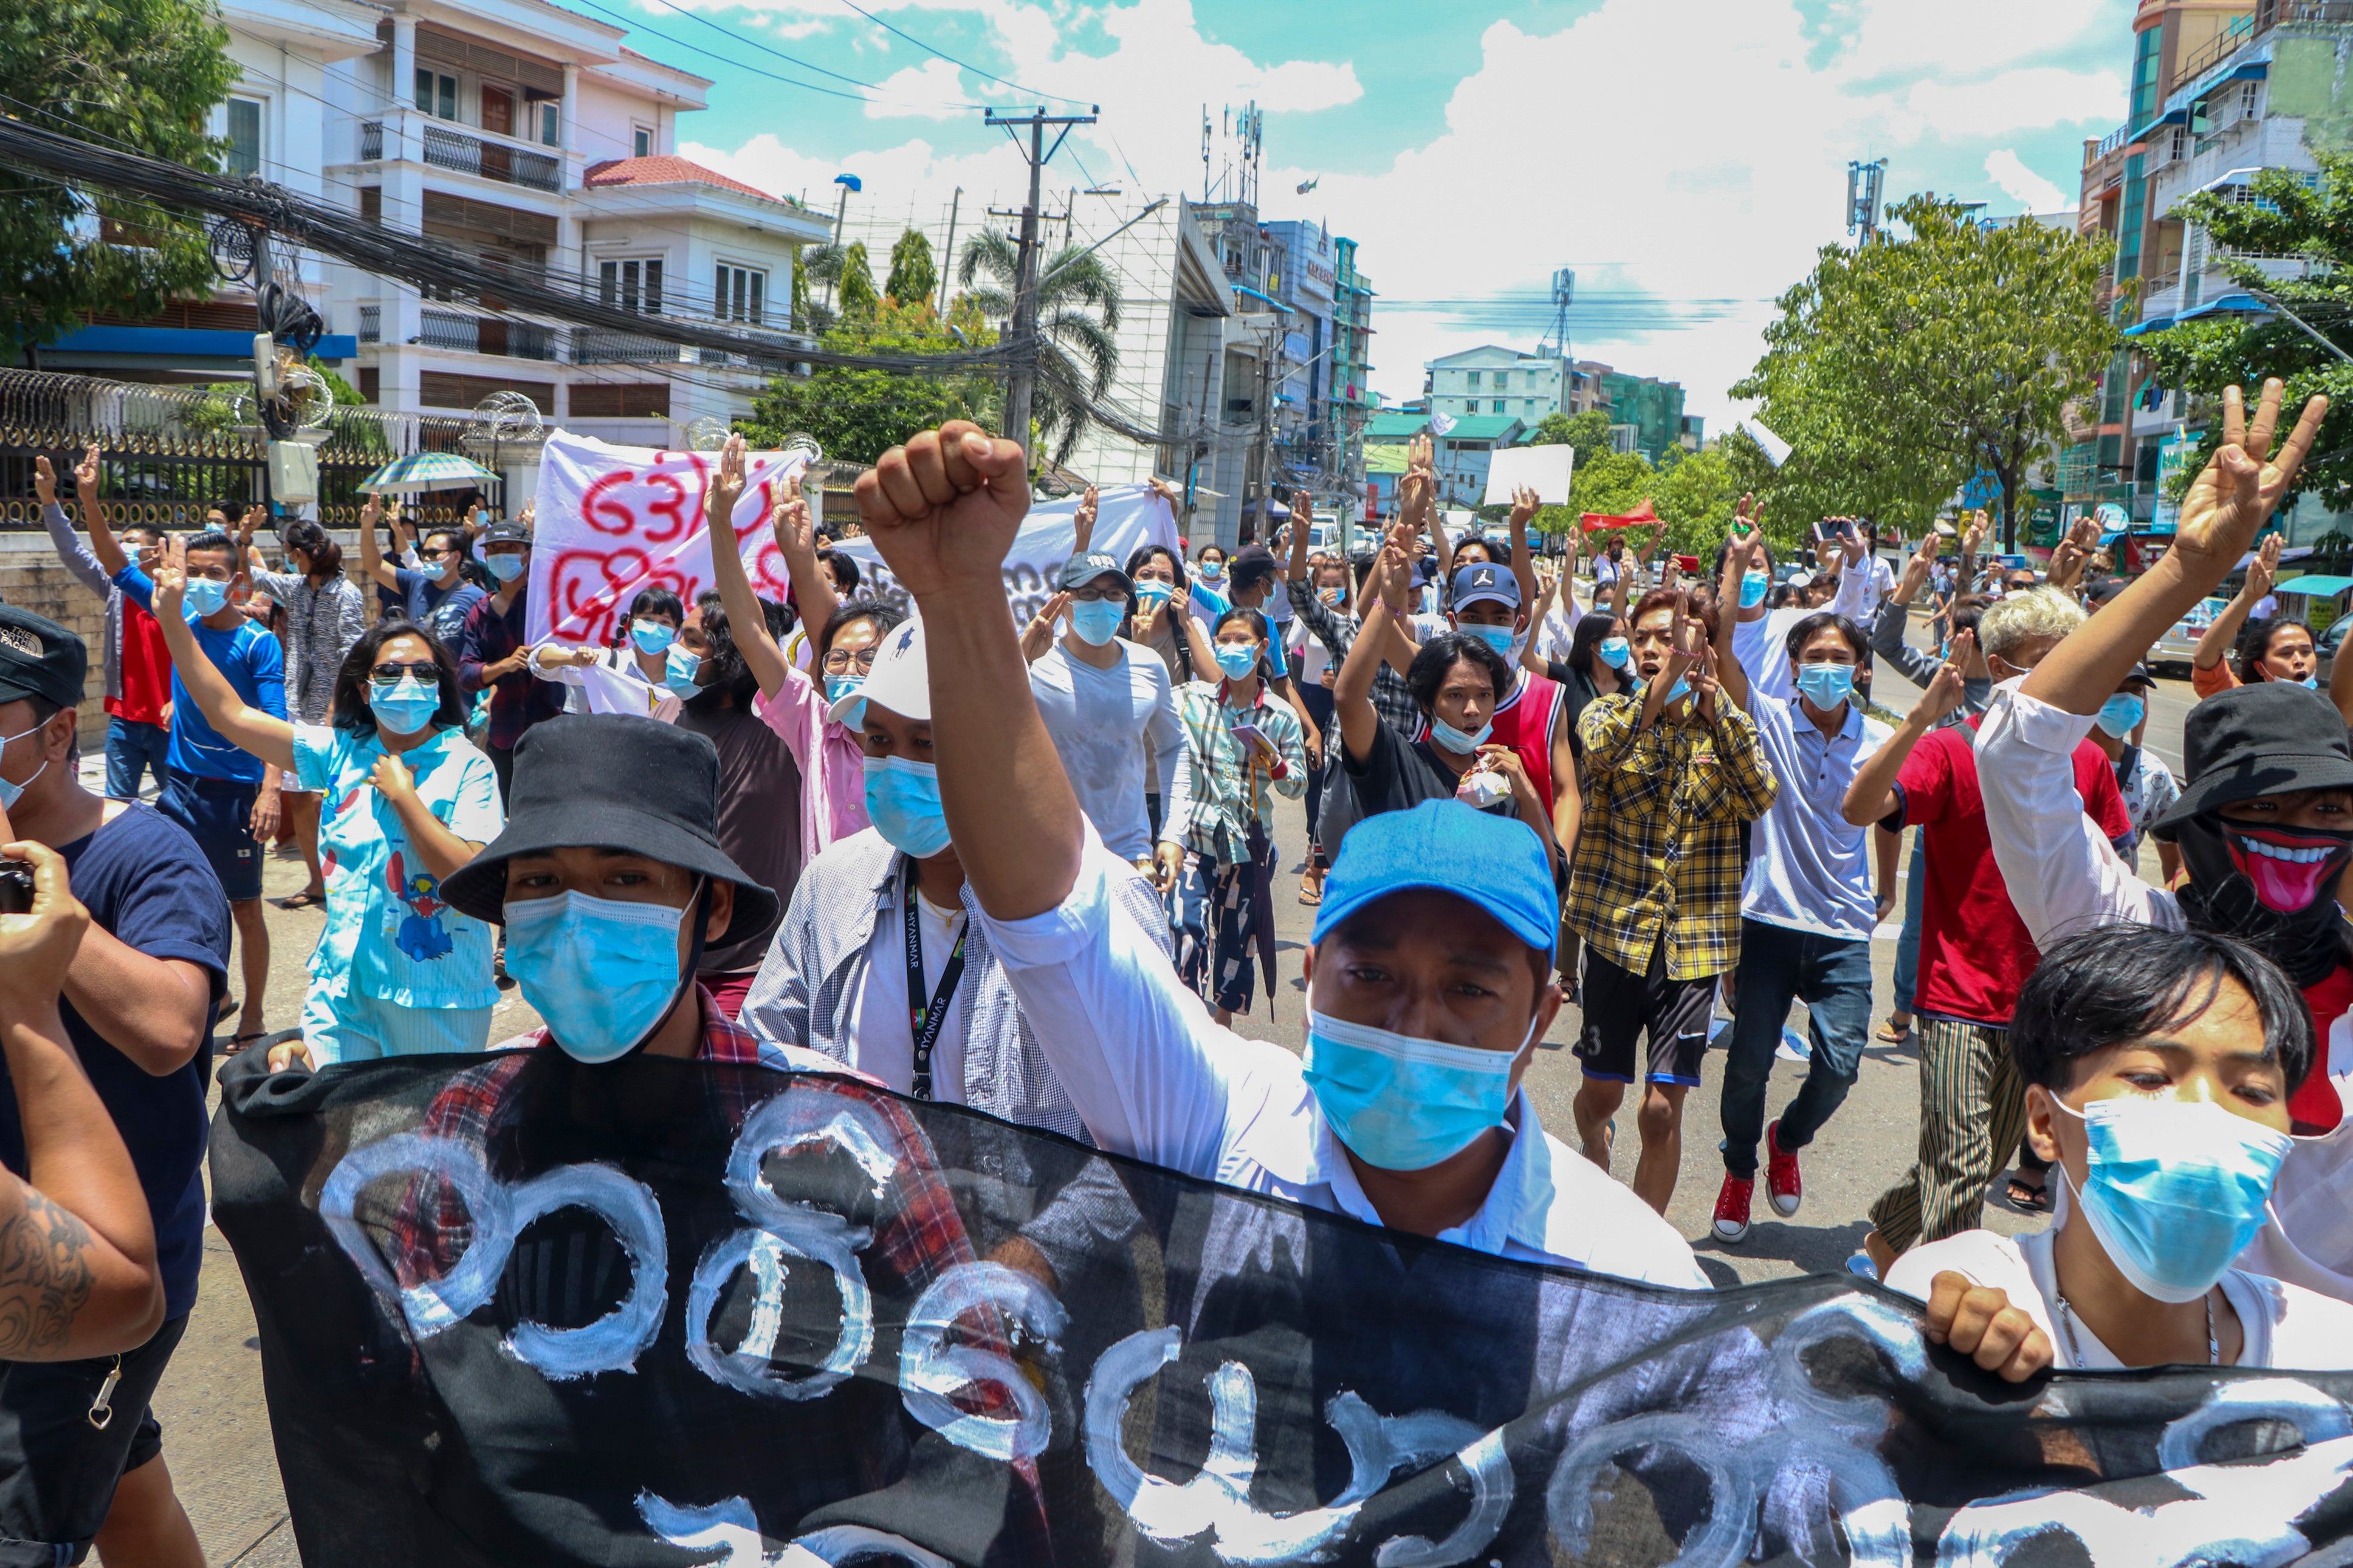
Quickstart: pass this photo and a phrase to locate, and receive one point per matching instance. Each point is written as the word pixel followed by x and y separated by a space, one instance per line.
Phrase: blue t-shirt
pixel 441 611
pixel 146 884
pixel 253 662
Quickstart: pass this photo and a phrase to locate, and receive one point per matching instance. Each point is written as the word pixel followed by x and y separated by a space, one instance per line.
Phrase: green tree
pixel 1587 432
pixel 1694 494
pixel 816 264
pixel 912 276
pixel 859 300
pixel 1612 484
pixel 1901 369
pixel 2287 217
pixel 1078 315
pixel 136 74
pixel 858 415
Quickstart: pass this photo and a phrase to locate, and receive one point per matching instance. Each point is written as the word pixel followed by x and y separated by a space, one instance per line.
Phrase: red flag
pixel 1641 516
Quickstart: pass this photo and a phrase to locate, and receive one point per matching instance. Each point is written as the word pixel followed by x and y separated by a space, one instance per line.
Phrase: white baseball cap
pixel 901 680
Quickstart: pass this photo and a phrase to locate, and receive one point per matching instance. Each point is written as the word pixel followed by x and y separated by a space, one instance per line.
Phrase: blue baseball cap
pixel 1481 580
pixel 1493 863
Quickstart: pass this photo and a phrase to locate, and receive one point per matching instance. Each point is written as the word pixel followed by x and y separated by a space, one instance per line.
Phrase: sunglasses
pixel 427 671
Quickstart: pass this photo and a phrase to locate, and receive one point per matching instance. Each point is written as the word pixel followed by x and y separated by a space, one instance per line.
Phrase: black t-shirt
pixel 1401 775
pixel 1577 693
pixel 759 817
pixel 145 882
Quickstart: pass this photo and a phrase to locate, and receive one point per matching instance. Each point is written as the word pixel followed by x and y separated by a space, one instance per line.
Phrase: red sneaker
pixel 1731 1201
pixel 1784 1188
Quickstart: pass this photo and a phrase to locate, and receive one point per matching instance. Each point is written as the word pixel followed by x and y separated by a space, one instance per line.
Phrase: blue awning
pixel 2237 302
pixel 1246 288
pixel 188 344
pixel 2315 587
pixel 2154 324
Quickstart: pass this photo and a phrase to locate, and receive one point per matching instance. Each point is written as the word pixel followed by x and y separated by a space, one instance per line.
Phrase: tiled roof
pixel 665 170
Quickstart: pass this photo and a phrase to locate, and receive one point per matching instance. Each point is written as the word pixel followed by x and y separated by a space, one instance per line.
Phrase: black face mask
pixel 2274 887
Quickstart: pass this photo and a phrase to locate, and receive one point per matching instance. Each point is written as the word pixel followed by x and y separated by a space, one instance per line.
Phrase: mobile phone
pixel 1251 735
pixel 1823 531
pixel 15 887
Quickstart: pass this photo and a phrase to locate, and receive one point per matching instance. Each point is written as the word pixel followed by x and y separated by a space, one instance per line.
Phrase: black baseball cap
pixel 40 658
pixel 505 532
pixel 2264 739
pixel 2138 675
pixel 1081 570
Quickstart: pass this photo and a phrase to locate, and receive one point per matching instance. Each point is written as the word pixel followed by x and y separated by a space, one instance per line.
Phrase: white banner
pixel 609 521
pixel 612 520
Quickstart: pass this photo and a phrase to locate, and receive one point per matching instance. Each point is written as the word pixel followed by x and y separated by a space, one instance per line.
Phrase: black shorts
pixel 1619 1005
pixel 219 815
pixel 57 1472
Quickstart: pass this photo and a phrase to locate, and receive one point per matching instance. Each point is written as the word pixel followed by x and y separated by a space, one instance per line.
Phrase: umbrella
pixel 421 471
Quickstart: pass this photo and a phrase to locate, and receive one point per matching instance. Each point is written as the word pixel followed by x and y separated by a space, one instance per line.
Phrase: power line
pixel 967 65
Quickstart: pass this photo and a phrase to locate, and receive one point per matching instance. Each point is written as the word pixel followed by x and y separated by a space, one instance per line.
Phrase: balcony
pixel 371 323
pixel 599 345
pixel 482 335
pixel 491 160
pixel 2219 47
pixel 2270 14
pixel 370 140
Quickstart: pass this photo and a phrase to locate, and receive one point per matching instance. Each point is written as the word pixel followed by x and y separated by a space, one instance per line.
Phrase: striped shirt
pixel 1232 785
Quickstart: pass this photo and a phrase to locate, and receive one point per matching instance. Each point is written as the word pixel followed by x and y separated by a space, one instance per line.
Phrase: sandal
pixel 1890 1035
pixel 305 899
pixel 2028 1199
pixel 1311 893
pixel 241 1041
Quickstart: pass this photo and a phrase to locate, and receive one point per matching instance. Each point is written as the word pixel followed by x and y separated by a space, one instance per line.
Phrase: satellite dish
pixel 509 417
pixel 706 433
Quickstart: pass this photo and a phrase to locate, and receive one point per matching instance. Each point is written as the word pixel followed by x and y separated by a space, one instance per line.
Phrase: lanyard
pixel 926 1020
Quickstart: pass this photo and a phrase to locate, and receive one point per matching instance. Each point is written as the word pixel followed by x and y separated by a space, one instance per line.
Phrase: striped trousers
pixel 1972 1114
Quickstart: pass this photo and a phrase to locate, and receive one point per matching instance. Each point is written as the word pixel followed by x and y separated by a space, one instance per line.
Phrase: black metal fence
pixel 169 452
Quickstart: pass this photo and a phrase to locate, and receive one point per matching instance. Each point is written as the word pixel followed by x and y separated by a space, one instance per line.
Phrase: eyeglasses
pixel 1096 597
pixel 427 671
pixel 435 555
pixel 838 661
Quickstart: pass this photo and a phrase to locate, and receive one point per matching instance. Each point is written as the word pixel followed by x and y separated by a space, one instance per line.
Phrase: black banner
pixel 516 1311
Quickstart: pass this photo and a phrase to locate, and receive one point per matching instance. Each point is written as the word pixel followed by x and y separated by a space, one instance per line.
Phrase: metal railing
pixel 2271 12
pixel 371 323
pixel 2111 141
pixel 491 160
pixel 599 346
pixel 2213 50
pixel 370 140
pixel 485 335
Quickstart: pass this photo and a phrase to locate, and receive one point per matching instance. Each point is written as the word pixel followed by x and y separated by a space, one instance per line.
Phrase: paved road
pixel 216 1435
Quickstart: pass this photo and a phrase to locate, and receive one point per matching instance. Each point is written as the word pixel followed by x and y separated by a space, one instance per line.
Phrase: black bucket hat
pixel 2264 739
pixel 612 781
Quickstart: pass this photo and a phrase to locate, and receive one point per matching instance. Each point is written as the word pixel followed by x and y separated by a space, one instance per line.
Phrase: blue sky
pixel 1687 159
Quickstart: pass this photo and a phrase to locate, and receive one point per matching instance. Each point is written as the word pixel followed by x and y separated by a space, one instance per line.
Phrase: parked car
pixel 2327 647
pixel 2177 645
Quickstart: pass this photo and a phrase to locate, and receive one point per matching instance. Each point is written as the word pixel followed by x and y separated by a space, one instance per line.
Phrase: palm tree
pixel 1078 312
pixel 818 264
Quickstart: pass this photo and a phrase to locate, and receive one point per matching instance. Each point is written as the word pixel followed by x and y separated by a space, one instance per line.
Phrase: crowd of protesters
pixel 1030 867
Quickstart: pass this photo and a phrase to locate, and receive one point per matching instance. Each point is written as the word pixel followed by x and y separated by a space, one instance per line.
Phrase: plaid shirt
pixel 1391 700
pixel 1658 854
pixel 1230 781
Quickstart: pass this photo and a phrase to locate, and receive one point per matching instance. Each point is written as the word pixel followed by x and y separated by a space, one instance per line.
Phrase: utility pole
pixel 1259 481
pixel 947 258
pixel 1021 380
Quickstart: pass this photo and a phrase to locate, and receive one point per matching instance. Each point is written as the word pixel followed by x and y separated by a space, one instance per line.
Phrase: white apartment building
pixel 1492 380
pixel 528 136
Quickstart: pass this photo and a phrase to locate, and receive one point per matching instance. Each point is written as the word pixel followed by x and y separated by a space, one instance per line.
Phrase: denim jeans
pixel 1907 946
pixel 132 748
pixel 1832 976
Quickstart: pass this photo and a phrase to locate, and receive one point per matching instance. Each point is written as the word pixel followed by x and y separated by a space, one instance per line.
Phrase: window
pixel 632 285
pixel 642 144
pixel 371 203
pixel 1499 406
pixel 497 110
pixel 244 155
pixel 1474 381
pixel 645 400
pixel 551 121
pixel 1503 381
pixel 737 296
pixel 437 94
pixel 370 383
pixel 2248 92
pixel 1527 405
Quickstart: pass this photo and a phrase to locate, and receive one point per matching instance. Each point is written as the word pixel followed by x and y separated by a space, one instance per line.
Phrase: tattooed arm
pixel 77 1275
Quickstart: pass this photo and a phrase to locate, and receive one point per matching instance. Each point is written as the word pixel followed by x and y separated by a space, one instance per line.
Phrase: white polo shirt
pixel 1154 1076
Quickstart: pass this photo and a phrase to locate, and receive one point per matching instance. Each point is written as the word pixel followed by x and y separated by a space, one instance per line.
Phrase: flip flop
pixel 240 1042
pixel 2028 1199
pixel 1890 1035
pixel 1310 896
pixel 305 899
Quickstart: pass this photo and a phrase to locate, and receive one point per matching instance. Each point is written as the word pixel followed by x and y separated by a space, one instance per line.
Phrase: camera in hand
pixel 15 887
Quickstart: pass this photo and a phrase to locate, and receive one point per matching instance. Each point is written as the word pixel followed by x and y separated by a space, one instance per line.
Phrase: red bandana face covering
pixel 2290 870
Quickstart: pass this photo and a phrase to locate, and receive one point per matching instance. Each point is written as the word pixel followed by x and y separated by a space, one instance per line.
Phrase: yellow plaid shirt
pixel 1658 848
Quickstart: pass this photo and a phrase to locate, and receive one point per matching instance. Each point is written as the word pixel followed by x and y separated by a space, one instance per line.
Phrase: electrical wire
pixel 965 65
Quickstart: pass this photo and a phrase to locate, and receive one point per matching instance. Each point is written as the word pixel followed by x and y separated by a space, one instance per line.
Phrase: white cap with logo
pixel 901 680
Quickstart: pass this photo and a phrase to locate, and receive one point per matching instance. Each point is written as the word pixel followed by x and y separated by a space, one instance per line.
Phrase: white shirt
pixel 1104 723
pixel 1761 646
pixel 1156 1078
pixel 1878 582
pixel 2285 1325
pixel 880 1030
pixel 2064 877
pixel 1559 629
pixel 2267 607
pixel 1310 659
pixel 1809 869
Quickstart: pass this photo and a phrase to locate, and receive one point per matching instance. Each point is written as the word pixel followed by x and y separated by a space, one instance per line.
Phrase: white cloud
pixel 2023 186
pixel 2033 99
pixel 933 90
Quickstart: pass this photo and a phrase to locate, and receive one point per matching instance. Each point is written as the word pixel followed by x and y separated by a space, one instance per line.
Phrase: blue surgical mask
pixel 652 637
pixel 603 973
pixel 680 665
pixel 204 598
pixel 1237 659
pixel 1098 623
pixel 1677 692
pixel 902 802
pixel 1151 593
pixel 1456 740
pixel 2120 715
pixel 1499 638
pixel 11 793
pixel 1826 685
pixel 506 567
pixel 1211 570
pixel 1403 1103
pixel 2175 1189
pixel 404 706
pixel 2310 683
pixel 1752 588
pixel 1616 652
pixel 838 687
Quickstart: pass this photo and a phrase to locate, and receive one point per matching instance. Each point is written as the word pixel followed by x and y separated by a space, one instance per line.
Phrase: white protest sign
pixel 1126 519
pixel 1544 470
pixel 611 521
